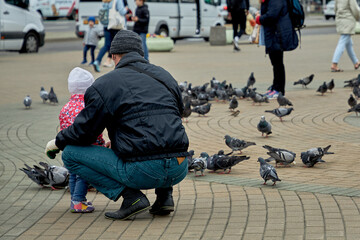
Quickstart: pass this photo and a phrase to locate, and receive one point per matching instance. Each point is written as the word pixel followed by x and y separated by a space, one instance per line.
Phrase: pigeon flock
pixel 44 95
pixel 197 99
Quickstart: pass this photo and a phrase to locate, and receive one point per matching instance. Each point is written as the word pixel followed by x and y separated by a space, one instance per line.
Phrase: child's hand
pixel 135 19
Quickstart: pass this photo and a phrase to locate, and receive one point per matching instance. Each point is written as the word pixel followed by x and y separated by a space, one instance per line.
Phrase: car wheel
pixel 31 43
pixel 327 17
pixel 206 39
pixel 163 31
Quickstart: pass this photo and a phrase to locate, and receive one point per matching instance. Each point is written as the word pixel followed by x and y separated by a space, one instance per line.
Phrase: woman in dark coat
pixel 279 36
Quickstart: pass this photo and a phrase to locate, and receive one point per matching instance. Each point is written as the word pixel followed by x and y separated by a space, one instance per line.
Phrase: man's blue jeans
pixel 345 41
pixel 109 174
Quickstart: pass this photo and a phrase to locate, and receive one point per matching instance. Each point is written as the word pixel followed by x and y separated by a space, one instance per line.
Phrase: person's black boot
pixel 134 203
pixel 164 203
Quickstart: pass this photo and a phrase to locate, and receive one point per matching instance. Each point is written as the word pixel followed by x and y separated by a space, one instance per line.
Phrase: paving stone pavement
pixel 309 203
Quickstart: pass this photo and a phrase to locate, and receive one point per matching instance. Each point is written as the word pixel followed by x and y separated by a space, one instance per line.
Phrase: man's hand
pixel 51 149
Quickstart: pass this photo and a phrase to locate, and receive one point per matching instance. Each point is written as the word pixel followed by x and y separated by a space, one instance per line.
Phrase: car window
pixel 19 3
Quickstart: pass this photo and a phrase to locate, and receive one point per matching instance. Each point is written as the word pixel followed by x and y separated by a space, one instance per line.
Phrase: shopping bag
pixel 254 37
pixel 116 20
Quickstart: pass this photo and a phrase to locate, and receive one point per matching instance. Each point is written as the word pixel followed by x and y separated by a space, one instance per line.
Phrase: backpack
pixel 296 12
pixel 104 16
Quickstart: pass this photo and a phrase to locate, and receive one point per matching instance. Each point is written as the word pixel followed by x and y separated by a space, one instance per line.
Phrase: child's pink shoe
pixel 81 207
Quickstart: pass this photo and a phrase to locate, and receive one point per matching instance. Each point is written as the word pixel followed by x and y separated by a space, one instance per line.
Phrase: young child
pixel 79 80
pixel 91 38
pixel 141 25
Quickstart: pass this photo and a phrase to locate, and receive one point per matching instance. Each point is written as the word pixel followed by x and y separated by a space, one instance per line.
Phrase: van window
pixel 188 1
pixel 19 3
pixel 213 2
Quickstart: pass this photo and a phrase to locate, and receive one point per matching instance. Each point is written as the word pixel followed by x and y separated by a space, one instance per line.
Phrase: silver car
pixel 329 10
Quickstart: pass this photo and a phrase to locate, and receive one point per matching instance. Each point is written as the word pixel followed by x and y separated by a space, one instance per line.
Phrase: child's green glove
pixel 51 149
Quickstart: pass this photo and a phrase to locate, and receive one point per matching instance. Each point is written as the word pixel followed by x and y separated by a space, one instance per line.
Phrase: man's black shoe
pixel 129 209
pixel 164 203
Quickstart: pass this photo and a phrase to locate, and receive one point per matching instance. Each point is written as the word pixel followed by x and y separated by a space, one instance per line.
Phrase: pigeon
pixel 356 92
pixel 44 94
pixel 183 86
pixel 314 155
pixel 352 101
pixel 198 102
pixel 190 159
pixel 281 156
pixel 235 113
pixel 50 176
pixel 355 109
pixel 264 127
pixel 233 103
pixel 52 96
pixel 202 110
pixel 352 82
pixel 199 164
pixel 224 162
pixel 322 89
pixel 27 101
pixel 331 85
pixel 251 80
pixel 236 144
pixel 187 111
pixel 35 176
pixel 305 81
pixel 258 98
pixel 268 172
pixel 240 92
pixel 280 112
pixel 283 101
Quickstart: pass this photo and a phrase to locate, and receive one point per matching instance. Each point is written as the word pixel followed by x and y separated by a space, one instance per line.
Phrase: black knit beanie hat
pixel 126 41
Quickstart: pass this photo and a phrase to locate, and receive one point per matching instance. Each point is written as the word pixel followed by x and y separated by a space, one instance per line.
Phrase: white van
pixel 55 8
pixel 174 18
pixel 20 29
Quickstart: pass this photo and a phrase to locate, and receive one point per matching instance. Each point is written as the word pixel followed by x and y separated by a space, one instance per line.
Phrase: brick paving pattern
pixel 322 202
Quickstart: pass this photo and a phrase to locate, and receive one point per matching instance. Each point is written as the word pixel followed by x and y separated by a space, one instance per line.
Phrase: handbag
pixel 116 20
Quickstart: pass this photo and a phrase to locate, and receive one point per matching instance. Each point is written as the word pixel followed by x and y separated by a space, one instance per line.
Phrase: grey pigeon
pixel 322 89
pixel 235 113
pixel 282 156
pixel 199 164
pixel 280 112
pixel 352 82
pixel 52 96
pixel 356 92
pixel 305 81
pixel 251 80
pixel 50 176
pixel 264 127
pixel 202 110
pixel 355 109
pixel 183 86
pixel 27 101
pixel 257 97
pixel 236 144
pixel 187 111
pixel 198 102
pixel 268 172
pixel 352 101
pixel 224 162
pixel 314 155
pixel 233 103
pixel 190 159
pixel 283 101
pixel 239 92
pixel 35 176
pixel 44 94
pixel 331 85
pixel 58 176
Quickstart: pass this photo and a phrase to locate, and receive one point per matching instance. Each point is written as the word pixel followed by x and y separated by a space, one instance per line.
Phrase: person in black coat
pixel 279 36
pixel 140 105
pixel 238 9
pixel 141 26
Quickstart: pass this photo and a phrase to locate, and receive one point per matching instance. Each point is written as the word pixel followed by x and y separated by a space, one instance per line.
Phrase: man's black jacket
pixel 141 115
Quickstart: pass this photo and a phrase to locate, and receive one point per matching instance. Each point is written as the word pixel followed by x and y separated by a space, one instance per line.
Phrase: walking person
pixel 78 81
pixel 279 36
pixel 140 105
pixel 91 39
pixel 109 34
pixel 347 12
pixel 238 10
pixel 141 25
